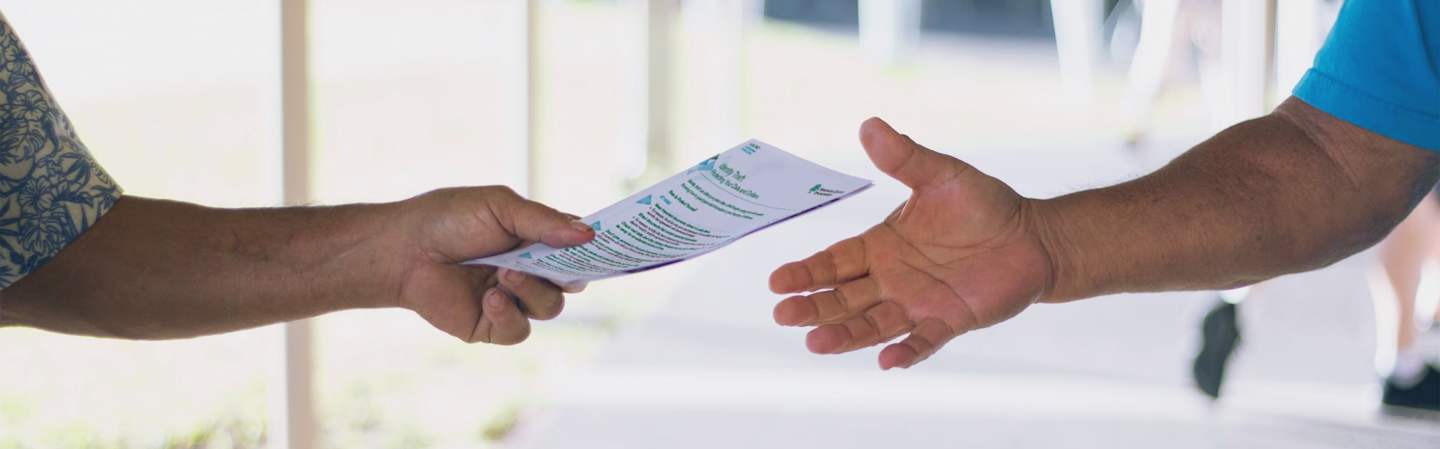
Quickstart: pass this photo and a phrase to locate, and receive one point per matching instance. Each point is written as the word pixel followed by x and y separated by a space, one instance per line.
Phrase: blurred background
pixel 578 102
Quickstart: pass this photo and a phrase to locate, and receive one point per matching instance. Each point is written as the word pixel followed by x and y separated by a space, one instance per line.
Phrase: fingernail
pixel 581 226
pixel 511 277
pixel 493 299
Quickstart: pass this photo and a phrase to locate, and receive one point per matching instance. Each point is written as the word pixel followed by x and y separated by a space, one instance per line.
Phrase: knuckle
pixel 921 346
pixel 551 309
pixel 889 315
pixel 816 266
pixel 519 336
pixel 473 338
pixel 826 308
pixel 577 287
pixel 844 295
pixel 500 191
pixel 542 303
pixel 479 333
pixel 867 328
pixel 443 192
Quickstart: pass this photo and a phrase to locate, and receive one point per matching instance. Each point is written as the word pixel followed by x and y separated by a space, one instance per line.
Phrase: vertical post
pixel 527 85
pixel 1077 44
pixel 889 29
pixel 1245 56
pixel 652 86
pixel 1298 33
pixel 720 30
pixel 292 421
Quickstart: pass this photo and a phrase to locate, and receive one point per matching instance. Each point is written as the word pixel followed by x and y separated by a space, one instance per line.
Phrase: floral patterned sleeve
pixel 51 189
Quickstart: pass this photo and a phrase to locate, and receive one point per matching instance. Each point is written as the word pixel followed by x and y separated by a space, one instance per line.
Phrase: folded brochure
pixel 722 199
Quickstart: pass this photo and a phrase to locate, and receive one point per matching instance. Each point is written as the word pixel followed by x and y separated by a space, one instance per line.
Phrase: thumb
pixel 532 221
pixel 903 159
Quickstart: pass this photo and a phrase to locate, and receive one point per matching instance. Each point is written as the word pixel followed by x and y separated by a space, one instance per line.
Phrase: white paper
pixel 710 205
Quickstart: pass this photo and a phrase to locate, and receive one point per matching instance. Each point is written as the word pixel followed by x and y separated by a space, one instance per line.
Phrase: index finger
pixel 842 262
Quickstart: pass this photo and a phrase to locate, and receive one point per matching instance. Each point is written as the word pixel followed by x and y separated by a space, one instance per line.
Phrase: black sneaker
pixel 1219 335
pixel 1425 394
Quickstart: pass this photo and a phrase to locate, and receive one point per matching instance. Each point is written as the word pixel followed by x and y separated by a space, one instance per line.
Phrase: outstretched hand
pixel 962 253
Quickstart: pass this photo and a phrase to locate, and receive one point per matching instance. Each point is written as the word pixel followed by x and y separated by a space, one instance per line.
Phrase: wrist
pixel 1047 224
pixel 366 252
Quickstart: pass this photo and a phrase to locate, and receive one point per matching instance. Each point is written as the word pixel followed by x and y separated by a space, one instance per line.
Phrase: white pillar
pixel 1245 57
pixel 889 30
pixel 292 415
pixel 1077 44
pixel 717 30
pixel 1300 29
pixel 650 86
pixel 523 103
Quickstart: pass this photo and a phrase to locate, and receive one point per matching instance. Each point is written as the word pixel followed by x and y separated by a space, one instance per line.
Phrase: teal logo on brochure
pixel 595 226
pixel 646 200
pixel 706 165
pixel 820 190
pixel 526 255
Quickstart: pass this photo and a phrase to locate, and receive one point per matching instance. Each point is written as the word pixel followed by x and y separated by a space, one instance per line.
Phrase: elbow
pixel 1323 245
pixel 1358 187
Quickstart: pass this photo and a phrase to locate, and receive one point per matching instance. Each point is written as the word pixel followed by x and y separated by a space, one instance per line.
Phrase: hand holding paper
pixel 480 304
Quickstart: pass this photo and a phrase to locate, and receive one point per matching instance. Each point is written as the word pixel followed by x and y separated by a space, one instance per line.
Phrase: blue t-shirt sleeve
pixel 1380 70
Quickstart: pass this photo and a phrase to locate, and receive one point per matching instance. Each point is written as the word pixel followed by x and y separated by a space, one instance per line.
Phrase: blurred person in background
pixel 78 256
pixel 1192 27
pixel 1327 174
pixel 1171 31
pixel 1403 256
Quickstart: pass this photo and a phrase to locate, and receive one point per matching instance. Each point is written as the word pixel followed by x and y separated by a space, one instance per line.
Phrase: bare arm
pixel 1292 191
pixel 162 269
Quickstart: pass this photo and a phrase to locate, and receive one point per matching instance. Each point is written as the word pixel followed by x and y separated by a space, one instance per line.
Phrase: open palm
pixel 960 254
